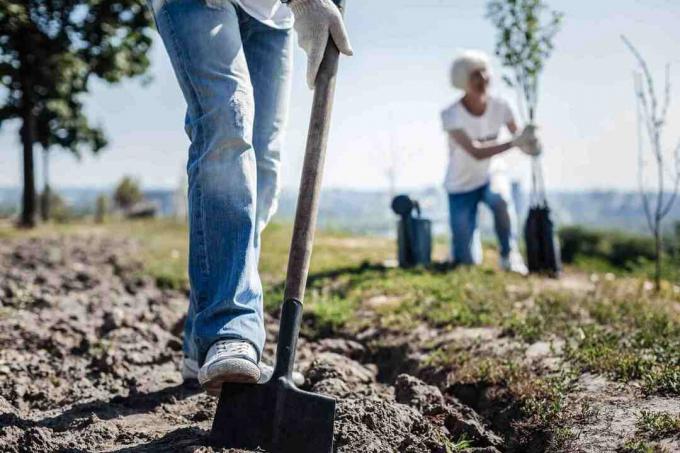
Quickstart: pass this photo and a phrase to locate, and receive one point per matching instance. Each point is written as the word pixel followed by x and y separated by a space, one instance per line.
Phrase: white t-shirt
pixel 465 173
pixel 269 12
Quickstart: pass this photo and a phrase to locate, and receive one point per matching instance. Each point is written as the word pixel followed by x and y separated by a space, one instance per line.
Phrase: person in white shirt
pixel 233 62
pixel 473 124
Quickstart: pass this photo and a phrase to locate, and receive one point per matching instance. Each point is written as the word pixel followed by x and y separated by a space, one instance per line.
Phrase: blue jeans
pixel 466 243
pixel 235 75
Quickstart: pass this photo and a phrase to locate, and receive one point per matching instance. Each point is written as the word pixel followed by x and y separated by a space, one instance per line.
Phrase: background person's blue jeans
pixel 463 207
pixel 234 73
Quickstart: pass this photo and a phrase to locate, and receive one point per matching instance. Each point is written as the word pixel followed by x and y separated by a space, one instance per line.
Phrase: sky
pixel 389 96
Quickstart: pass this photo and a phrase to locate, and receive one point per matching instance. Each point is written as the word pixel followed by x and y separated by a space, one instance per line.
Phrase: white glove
pixel 528 142
pixel 534 148
pixel 315 21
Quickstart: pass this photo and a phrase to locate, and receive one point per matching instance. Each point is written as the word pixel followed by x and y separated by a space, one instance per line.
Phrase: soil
pixel 89 354
pixel 90 348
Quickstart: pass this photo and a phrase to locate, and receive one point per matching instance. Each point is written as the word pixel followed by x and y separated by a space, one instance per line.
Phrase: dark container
pixel 414 233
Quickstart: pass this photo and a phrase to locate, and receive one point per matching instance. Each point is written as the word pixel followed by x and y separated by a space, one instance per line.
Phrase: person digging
pixel 233 62
pixel 474 174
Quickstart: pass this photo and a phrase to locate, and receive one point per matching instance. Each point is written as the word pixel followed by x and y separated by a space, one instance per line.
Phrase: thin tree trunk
pixel 46 198
pixel 657 273
pixel 27 138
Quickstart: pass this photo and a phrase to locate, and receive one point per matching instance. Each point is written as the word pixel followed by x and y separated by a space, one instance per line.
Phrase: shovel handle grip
pixel 307 210
pixel 312 169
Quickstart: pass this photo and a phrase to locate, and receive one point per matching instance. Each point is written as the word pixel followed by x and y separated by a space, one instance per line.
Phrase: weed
pixel 460 446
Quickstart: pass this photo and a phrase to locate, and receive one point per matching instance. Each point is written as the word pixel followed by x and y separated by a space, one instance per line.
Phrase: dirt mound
pixel 89 353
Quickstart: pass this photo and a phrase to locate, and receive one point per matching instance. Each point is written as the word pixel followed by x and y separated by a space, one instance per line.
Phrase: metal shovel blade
pixel 276 416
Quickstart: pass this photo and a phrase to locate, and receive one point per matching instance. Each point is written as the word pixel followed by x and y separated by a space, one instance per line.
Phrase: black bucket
pixel 414 233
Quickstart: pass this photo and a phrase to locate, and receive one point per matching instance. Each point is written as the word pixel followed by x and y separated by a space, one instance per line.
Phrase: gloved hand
pixel 533 148
pixel 528 142
pixel 315 21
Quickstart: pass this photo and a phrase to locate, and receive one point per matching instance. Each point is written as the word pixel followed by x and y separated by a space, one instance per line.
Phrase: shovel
pixel 277 416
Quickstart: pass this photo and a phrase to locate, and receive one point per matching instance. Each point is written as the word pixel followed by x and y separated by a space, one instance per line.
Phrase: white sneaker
pixel 514 263
pixel 232 361
pixel 190 372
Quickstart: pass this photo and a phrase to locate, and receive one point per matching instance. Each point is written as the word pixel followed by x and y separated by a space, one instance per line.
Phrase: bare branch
pixel 666 94
pixel 651 92
pixel 676 184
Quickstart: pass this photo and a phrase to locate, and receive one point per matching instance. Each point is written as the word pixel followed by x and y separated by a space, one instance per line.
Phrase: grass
pixel 652 427
pixel 641 446
pixel 632 339
pixel 658 425
pixel 403 298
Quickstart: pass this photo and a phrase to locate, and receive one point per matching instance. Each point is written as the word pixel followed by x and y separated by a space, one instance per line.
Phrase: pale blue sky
pixel 390 94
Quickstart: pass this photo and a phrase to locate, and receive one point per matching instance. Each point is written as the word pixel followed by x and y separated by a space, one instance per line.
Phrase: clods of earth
pixel 89 354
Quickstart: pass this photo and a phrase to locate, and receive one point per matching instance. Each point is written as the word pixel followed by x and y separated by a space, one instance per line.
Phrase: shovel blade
pixel 276 417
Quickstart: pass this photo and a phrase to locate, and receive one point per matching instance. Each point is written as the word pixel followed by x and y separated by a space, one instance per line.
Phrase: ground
pixel 423 360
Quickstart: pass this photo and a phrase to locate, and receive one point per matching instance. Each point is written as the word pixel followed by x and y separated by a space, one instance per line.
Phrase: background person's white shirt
pixel 465 173
pixel 269 12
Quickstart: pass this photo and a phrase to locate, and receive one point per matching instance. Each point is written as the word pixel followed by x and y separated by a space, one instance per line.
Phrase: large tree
pixel 49 52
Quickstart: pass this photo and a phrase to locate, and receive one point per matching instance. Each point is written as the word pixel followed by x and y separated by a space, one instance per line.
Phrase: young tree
pixel 526 29
pixel 651 124
pixel 49 51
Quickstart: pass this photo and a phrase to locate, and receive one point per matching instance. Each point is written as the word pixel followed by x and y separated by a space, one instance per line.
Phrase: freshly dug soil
pixel 89 356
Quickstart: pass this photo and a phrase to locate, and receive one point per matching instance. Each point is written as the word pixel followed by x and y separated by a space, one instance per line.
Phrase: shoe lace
pixel 234 347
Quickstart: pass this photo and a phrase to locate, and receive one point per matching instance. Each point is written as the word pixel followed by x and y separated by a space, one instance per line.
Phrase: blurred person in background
pixel 474 174
pixel 233 62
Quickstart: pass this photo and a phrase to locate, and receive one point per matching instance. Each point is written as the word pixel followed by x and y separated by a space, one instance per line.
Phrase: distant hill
pixel 369 211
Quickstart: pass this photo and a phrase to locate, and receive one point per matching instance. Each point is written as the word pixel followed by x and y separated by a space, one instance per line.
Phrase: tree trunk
pixel 658 251
pixel 27 138
pixel 46 197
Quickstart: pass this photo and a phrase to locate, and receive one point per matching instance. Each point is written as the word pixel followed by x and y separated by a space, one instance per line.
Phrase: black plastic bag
pixel 543 249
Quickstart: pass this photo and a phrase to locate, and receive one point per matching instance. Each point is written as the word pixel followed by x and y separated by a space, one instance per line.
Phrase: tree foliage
pixel 60 211
pixel 49 52
pixel 526 29
pixel 127 193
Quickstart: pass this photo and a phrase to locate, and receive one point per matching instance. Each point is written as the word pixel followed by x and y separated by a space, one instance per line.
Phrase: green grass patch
pixel 631 340
pixel 552 312
pixel 641 446
pixel 658 425
pixel 400 299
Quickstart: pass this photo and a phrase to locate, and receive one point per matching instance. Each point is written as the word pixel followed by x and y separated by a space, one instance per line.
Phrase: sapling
pixel 526 29
pixel 525 33
pixel 651 118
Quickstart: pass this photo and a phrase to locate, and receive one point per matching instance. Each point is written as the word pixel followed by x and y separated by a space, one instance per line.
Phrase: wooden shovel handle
pixel 312 172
